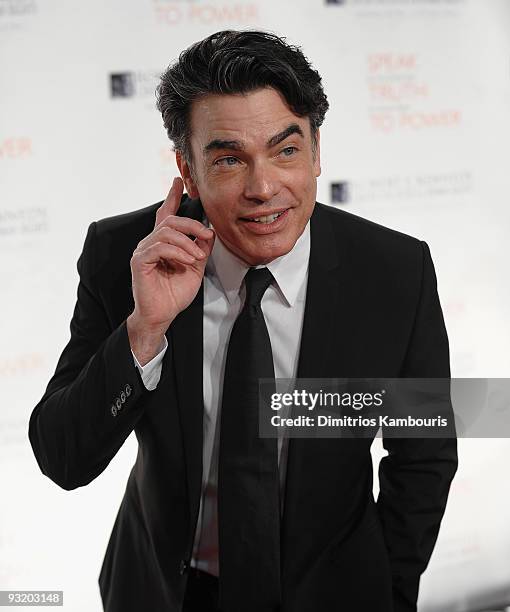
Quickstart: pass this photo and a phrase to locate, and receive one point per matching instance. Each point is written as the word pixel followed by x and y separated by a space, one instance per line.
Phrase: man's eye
pixel 288 151
pixel 230 161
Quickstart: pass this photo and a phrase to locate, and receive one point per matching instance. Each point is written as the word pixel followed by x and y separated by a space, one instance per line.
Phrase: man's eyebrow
pixel 236 145
pixel 293 128
pixel 217 143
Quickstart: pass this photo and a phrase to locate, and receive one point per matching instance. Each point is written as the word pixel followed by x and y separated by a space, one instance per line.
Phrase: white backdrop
pixel 417 138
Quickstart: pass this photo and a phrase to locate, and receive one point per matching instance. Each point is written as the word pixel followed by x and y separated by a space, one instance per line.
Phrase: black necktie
pixel 248 484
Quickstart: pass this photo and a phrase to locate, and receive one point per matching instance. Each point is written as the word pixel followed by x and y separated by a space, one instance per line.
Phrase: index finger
pixel 172 201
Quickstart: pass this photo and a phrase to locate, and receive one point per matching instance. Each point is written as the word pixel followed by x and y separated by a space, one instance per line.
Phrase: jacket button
pixel 114 410
pixel 184 567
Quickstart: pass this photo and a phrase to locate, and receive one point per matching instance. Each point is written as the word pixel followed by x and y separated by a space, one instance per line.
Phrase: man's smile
pixel 264 223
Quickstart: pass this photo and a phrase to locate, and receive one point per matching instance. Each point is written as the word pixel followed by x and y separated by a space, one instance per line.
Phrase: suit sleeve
pixel 416 474
pixel 93 401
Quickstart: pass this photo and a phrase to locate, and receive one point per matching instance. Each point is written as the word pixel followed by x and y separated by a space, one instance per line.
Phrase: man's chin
pixel 266 256
pixel 260 250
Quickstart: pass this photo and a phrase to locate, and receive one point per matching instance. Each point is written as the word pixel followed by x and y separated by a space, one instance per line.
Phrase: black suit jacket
pixel 372 310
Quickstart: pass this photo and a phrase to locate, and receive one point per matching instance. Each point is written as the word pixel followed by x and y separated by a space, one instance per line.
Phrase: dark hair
pixel 231 62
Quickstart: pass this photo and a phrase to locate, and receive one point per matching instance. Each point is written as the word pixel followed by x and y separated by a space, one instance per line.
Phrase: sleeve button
pixel 122 396
pixel 128 390
pixel 114 410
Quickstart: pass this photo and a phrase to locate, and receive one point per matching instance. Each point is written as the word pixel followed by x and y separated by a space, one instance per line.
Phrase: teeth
pixel 268 219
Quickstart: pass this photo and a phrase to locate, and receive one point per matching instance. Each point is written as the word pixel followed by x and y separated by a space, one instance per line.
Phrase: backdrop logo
pixel 23 221
pixel 405 188
pixel 122 85
pixel 19 365
pixel 16 9
pixel 133 84
pixel 401 98
pixel 15 148
pixel 340 192
pixel 196 12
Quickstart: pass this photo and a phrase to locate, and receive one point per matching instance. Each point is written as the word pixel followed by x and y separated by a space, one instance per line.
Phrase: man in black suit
pixel 167 322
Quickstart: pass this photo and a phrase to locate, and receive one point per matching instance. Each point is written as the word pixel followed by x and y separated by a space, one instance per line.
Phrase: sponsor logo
pixel 403 188
pixel 175 12
pixel 400 99
pixel 23 221
pixel 133 84
pixel 340 192
pixel 15 148
pixel 19 365
pixel 13 441
pixel 14 10
pixel 455 308
pixel 393 120
pixel 122 85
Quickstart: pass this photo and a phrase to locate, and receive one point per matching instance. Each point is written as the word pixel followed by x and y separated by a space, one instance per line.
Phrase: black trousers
pixel 201 592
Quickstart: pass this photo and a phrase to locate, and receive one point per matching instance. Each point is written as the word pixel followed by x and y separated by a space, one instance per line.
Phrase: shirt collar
pixel 289 270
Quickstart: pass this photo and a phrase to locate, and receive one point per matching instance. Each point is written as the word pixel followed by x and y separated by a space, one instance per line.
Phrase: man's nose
pixel 261 182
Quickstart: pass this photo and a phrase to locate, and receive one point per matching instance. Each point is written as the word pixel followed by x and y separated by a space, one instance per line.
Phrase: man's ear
pixel 186 175
pixel 317 160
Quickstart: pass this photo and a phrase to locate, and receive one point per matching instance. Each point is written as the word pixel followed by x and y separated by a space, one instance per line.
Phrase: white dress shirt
pixel 283 306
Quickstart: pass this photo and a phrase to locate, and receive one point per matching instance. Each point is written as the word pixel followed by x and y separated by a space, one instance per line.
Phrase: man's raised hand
pixel 167 268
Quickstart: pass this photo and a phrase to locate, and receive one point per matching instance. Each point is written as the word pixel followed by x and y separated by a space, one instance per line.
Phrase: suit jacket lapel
pixel 332 340
pixel 321 308
pixel 338 302
pixel 326 351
